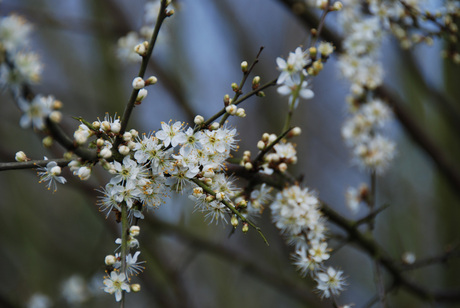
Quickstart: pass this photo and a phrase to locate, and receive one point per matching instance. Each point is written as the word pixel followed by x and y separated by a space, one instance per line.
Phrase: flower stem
pixel 124 243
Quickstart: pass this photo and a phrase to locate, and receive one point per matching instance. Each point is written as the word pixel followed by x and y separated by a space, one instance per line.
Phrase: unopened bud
pixel 127 136
pixel 141 95
pixel 265 137
pixel 227 100
pixel 234 221
pixel 256 82
pixel 245 227
pixel 21 156
pixel 123 150
pixel 47 141
pixel 282 167
pixel 151 80
pixel 134 133
pixel 110 260
pixel 135 287
pixel 198 120
pixel 106 153
pixel 55 116
pixel 260 145
pixel 296 131
pixel 235 87
pixel 214 126
pixel 96 124
pixel 272 138
pixel 244 66
pixel 231 109
pixel 240 112
pixel 337 6
pixel 134 230
pixel 138 83
pixel 248 166
pixel 312 51
pixel 141 49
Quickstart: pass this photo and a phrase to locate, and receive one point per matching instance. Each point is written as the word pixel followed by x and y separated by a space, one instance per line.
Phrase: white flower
pixel 295 64
pixel 51 174
pixel 132 266
pixel 171 134
pixel 36 111
pixel 14 32
pixel 293 87
pixel 74 290
pixel 116 283
pixel 330 282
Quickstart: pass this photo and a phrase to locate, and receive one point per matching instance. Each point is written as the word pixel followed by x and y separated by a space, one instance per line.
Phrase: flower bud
pixel 110 260
pixel 141 95
pixel 96 124
pixel 138 83
pixel 248 166
pixel 265 137
pixel 234 221
pixel 55 116
pixel 235 87
pixel 214 126
pixel 260 145
pixel 151 80
pixel 244 66
pixel 100 142
pixel 135 287
pixel 240 112
pixel 123 150
pixel 57 104
pixel 282 167
pixel 272 138
pixel 131 145
pixel 106 153
pixel 134 230
pixel 198 120
pixel 312 51
pixel 140 49
pixel 227 100
pixel 127 136
pixel 231 109
pixel 47 141
pixel 245 227
pixel 296 131
pixel 255 82
pixel 134 133
pixel 21 156
pixel 337 6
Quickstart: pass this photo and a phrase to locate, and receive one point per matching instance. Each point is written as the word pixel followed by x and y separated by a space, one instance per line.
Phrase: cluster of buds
pixel 140 84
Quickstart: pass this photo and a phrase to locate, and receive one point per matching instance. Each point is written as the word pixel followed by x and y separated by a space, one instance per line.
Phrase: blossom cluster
pixel 296 212
pixel 17 65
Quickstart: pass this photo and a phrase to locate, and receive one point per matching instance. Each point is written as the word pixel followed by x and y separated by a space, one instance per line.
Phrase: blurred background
pixel 53 243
